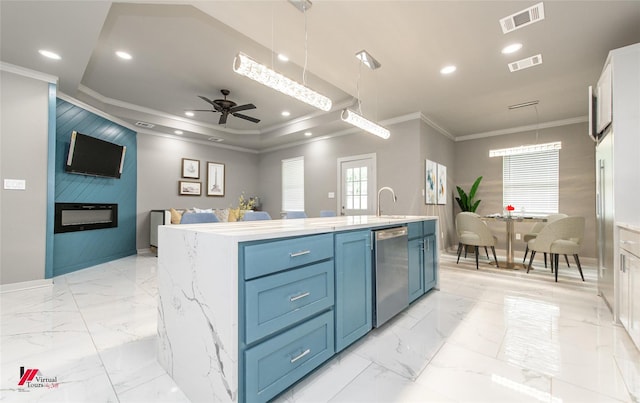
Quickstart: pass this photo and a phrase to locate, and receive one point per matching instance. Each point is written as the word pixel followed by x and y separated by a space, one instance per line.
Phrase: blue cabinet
pixel 416 271
pixel 423 258
pixel 353 309
pixel 274 365
pixel 430 255
pixel 285 312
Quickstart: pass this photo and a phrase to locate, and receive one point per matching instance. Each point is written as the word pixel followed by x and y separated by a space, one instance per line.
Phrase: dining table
pixel 510 220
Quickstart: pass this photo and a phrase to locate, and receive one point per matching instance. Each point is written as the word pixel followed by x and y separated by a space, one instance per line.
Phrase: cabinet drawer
pixel 429 227
pixel 271 257
pixel 277 363
pixel 279 300
pixel 414 230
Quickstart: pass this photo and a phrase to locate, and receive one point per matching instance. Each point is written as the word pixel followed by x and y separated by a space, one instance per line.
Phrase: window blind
pixel 293 184
pixel 530 182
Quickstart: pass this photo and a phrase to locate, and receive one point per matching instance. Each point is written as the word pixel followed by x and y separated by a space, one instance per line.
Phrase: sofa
pixel 173 216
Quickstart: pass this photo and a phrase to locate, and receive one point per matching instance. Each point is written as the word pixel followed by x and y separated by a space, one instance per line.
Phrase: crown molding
pixel 520 129
pixel 126 105
pixel 22 71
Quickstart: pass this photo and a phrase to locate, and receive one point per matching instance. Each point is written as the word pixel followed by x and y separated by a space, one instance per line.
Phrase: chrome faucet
pixel 395 199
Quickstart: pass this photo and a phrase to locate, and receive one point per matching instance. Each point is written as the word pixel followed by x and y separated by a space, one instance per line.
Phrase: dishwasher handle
pixel 391 233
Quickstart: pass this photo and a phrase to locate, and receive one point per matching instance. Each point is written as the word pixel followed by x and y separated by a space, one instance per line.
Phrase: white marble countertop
pixel 255 230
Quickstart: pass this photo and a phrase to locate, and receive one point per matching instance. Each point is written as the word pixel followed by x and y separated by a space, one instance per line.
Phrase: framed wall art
pixel 189 188
pixel 215 179
pixel 442 184
pixel 431 178
pixel 190 168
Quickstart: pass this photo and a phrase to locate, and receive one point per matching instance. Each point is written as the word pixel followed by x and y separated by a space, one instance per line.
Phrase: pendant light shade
pixel 248 67
pixel 364 124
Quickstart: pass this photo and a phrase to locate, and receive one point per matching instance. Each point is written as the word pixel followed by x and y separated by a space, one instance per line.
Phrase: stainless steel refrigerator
pixel 605 217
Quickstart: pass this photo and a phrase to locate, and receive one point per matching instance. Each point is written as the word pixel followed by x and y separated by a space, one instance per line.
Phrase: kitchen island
pixel 246 309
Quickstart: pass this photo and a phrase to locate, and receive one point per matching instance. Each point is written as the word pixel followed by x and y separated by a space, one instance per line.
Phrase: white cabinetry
pixel 603 92
pixel 629 283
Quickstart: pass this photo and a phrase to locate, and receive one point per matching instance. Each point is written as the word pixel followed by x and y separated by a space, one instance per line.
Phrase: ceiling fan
pixel 227 107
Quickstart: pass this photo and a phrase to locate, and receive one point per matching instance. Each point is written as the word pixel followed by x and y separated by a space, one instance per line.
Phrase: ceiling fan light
pixel 364 124
pixel 248 67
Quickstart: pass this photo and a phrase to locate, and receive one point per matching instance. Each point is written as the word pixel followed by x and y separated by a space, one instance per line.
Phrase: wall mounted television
pixel 91 156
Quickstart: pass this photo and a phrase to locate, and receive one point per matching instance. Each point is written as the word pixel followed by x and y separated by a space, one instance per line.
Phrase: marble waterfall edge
pixel 197 313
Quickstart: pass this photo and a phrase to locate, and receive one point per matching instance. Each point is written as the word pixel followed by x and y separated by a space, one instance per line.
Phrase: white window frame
pixel 530 182
pixel 293 184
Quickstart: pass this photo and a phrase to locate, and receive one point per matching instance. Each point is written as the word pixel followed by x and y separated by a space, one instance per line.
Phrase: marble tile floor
pixel 490 335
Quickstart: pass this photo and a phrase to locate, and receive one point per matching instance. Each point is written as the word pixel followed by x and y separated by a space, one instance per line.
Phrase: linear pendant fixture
pixel 246 66
pixel 529 149
pixel 364 124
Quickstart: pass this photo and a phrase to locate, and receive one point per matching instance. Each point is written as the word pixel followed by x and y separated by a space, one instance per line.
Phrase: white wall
pixel 23 155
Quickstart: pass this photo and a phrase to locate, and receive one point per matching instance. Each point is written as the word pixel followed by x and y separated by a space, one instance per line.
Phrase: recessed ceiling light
pixel 514 47
pixel 123 55
pixel 49 54
pixel 178 132
pixel 308 134
pixel 448 69
pixel 285 113
pixel 189 113
pixel 282 57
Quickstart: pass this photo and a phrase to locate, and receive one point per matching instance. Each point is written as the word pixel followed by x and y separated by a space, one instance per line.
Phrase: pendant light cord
pixel 304 71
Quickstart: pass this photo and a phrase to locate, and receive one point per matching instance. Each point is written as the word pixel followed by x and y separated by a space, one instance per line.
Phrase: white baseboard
pixel 25 285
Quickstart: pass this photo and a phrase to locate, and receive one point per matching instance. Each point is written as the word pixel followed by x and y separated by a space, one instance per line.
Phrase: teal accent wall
pixel 51 180
pixel 76 250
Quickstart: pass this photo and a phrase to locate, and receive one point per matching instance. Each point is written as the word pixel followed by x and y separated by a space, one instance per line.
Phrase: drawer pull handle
pixel 299 296
pixel 305 352
pixel 301 253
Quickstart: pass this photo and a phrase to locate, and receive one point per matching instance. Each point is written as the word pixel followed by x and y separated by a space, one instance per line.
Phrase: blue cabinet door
pixel 353 287
pixel 416 269
pixel 430 262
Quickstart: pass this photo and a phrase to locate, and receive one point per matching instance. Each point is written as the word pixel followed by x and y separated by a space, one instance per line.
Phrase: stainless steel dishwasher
pixel 391 274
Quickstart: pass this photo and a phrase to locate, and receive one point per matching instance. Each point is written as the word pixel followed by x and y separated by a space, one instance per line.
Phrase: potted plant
pixel 466 201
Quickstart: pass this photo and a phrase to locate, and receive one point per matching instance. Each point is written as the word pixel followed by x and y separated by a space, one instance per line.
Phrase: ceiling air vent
pixel 525 63
pixel 145 125
pixel 522 18
pixel 215 139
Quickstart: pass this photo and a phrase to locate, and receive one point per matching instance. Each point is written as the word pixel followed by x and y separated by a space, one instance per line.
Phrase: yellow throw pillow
pixel 176 216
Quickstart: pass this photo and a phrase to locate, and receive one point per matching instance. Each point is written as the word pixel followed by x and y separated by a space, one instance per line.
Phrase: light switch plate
pixel 15 184
pixel 332 195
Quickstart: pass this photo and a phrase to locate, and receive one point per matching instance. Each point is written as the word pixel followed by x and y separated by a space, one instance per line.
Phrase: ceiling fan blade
pixel 215 105
pixel 202 110
pixel 245 117
pixel 242 108
pixel 223 118
pixel 206 100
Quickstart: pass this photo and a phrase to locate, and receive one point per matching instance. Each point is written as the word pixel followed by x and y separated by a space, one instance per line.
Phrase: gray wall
pixel 23 155
pixel 438 148
pixel 577 176
pixel 394 159
pixel 159 170
pixel 400 165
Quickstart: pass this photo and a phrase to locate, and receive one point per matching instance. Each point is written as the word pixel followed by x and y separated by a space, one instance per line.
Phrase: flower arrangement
pixel 246 204
pixel 509 209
